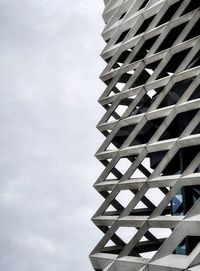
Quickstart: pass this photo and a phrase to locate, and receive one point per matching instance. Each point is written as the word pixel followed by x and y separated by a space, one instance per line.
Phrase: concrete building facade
pixel 150 184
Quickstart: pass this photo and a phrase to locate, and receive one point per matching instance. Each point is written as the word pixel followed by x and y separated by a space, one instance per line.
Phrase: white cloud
pixel 48 111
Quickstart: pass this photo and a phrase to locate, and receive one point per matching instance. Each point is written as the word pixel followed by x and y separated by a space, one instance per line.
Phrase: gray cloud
pixel 49 86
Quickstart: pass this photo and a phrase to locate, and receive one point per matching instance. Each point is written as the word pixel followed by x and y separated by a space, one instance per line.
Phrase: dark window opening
pixel 153 65
pixel 178 125
pixel 147 131
pixel 144 4
pixel 122 16
pixel 142 106
pixel 146 247
pixel 155 158
pixel 181 160
pixel 144 49
pixel 122 135
pixel 142 212
pixel 195 94
pixel 175 93
pixel 122 58
pixel 185 199
pixel 145 74
pixel 108 59
pixel 141 79
pixel 112 250
pixel 107 82
pixel 194 4
pixel 177 204
pixel 116 65
pixel 196 130
pixel 187 245
pixel 197 170
pixel 195 61
pixel 122 36
pixel 194 32
pixel 170 13
pixel 105 133
pixel 173 64
pixel 145 25
pixel 171 37
pixel 126 101
pixel 146 101
pixel 124 78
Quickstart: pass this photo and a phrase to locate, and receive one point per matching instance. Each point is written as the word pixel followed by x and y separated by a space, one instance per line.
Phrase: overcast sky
pixel 49 68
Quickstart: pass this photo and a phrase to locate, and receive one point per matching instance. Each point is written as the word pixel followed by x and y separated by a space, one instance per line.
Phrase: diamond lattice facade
pixel 150 215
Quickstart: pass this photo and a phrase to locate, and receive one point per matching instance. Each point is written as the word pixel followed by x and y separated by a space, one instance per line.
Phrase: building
pixel 150 185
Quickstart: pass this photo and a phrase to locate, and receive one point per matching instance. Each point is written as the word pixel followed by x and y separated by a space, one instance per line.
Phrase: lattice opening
pixel 145 74
pixel 122 36
pixel 145 25
pixel 114 208
pixel 143 4
pixel 181 160
pixel 173 64
pixel 188 244
pixel 122 58
pixel 111 147
pixel 118 87
pixel 151 93
pixel 126 233
pixel 146 133
pixel 109 210
pixel 123 164
pixel 156 158
pixel 169 13
pixel 194 32
pixel 149 202
pixel 175 93
pixel 143 170
pixel 119 240
pixel 197 170
pixel 155 238
pixel 178 125
pixel 114 174
pixel 146 163
pixel 122 16
pixel 124 197
pixel 122 135
pixel 192 5
pixel 171 37
pixel 195 61
pixel 196 130
pixel 111 177
pixel 183 201
pixel 142 106
pixel 155 195
pixel 144 49
pixel 196 94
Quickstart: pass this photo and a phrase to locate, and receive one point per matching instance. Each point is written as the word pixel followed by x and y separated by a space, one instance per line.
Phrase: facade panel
pixel 150 185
